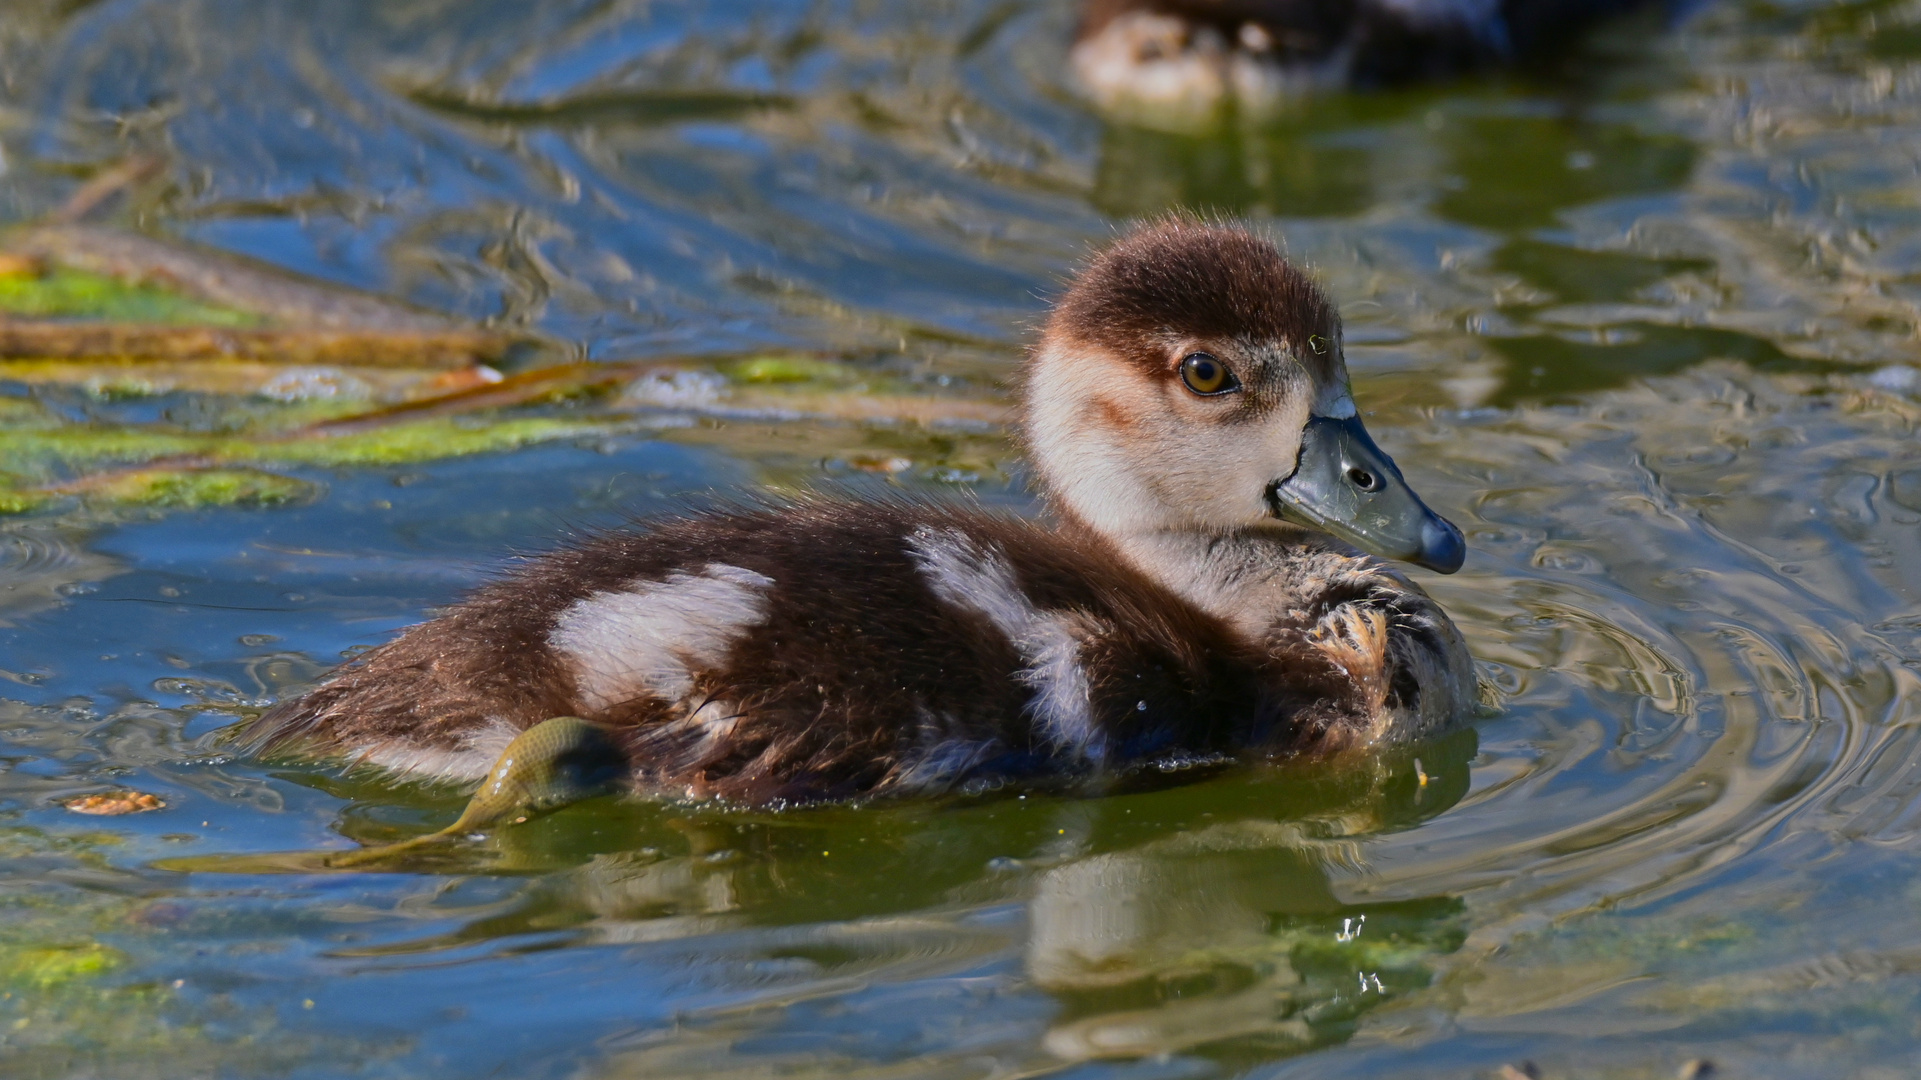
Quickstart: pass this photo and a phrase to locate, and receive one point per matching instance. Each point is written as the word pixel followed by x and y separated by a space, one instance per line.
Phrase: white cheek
pixel 1090 467
pixel 1221 472
pixel 1218 475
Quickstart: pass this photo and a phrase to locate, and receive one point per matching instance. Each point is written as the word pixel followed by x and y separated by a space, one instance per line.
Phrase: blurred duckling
pixel 1179 64
pixel 1203 590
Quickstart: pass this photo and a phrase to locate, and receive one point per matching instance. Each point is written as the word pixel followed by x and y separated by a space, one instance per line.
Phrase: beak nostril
pixel 1363 479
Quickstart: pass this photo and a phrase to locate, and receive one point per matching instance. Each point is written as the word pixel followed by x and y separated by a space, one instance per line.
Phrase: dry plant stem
pixel 530 386
pixel 521 389
pixel 229 377
pixel 127 173
pixel 224 279
pixel 94 481
pixel 442 348
pixel 862 408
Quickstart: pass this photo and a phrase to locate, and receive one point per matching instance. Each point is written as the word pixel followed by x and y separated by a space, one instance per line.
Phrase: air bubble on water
pixel 315 384
pixel 1896 379
pixel 675 388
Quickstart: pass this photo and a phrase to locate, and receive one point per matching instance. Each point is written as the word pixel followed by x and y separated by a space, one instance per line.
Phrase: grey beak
pixel 1346 486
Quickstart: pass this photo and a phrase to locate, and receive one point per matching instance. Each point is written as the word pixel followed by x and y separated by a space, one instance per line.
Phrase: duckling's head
pixel 1192 380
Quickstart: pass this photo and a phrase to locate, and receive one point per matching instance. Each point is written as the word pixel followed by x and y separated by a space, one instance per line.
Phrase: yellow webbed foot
pixel 555 762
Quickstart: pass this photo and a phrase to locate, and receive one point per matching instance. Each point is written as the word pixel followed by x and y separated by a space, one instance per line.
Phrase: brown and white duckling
pixel 1188 415
pixel 1180 63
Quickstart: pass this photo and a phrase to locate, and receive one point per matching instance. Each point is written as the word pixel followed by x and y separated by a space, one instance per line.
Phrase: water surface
pixel 1646 332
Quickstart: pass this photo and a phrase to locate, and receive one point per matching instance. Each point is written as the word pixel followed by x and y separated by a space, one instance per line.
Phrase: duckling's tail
pixel 291 722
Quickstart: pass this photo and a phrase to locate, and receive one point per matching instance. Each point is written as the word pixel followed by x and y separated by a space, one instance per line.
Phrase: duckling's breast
pixel 1371 658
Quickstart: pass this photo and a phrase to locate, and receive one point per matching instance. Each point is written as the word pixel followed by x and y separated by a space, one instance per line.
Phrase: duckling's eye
pixel 1207 376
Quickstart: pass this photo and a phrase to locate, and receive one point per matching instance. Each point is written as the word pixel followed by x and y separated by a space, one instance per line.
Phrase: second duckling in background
pixel 1181 63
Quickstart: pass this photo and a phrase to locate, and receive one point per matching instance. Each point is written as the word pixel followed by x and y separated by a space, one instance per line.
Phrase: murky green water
pixel 1648 335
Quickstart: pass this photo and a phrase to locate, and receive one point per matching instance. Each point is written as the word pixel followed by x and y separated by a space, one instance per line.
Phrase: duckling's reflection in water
pixel 1235 931
pixel 1112 934
pixel 1201 918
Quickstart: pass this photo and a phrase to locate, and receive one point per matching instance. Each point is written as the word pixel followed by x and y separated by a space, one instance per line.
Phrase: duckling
pixel 1197 593
pixel 1178 63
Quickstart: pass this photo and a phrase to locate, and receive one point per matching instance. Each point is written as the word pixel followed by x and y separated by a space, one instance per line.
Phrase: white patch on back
pixel 470 760
pixel 655 636
pixel 963 575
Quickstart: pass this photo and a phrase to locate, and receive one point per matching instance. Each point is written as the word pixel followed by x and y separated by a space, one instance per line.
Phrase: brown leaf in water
pixel 446 348
pixel 115 803
pixel 456 381
pixel 15 265
pixel 521 389
pixel 885 464
pixel 854 407
pixel 285 382
pixel 541 383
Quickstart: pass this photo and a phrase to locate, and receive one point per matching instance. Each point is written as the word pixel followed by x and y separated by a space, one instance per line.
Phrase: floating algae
pixel 77 294
pixel 199 487
pixel 46 967
pixel 46 456
pixel 791 369
pixel 77 994
pixel 93 306
pixel 81 291
pixel 296 373
pixel 43 459
pixel 219 278
pixel 293 373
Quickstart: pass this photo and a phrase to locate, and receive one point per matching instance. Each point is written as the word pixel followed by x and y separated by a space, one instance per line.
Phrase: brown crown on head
pixel 1182 279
